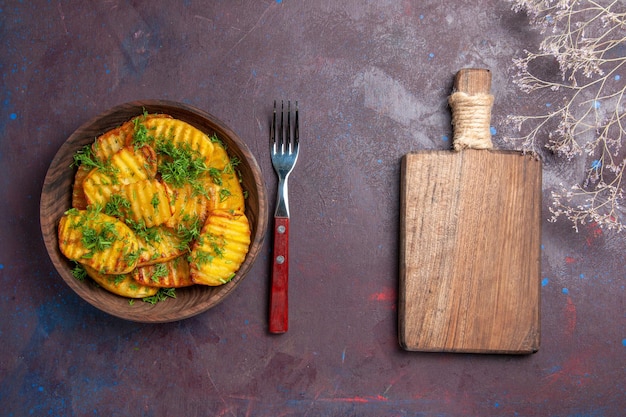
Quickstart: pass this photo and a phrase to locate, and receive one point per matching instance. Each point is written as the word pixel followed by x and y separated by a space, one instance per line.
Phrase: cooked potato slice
pixel 126 166
pixel 180 134
pixel 219 157
pixel 224 191
pixel 79 200
pixel 229 195
pixel 110 142
pixel 140 134
pixel 222 181
pixel 135 164
pixel 99 241
pixel 123 285
pixel 221 247
pixel 187 205
pixel 149 202
pixel 158 244
pixel 98 194
pixel 170 274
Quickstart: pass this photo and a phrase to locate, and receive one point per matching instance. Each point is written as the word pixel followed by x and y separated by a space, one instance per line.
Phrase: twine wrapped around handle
pixel 471 105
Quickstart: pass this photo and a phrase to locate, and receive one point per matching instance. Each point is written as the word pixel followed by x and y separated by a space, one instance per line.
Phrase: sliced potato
pixel 123 285
pixel 126 166
pixel 79 200
pixel 99 241
pixel 180 134
pixel 222 181
pixel 229 196
pixel 98 194
pixel 158 244
pixel 149 202
pixel 140 134
pixel 219 157
pixel 135 164
pixel 187 205
pixel 170 274
pixel 221 247
pixel 110 142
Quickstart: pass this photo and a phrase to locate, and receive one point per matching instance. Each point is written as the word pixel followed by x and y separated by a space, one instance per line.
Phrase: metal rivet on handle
pixel 281 229
pixel 280 259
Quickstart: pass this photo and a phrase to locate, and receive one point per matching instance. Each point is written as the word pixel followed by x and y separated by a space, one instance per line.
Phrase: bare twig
pixel 587 39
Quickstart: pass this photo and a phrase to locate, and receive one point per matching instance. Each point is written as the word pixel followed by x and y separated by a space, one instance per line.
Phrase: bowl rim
pixel 139 311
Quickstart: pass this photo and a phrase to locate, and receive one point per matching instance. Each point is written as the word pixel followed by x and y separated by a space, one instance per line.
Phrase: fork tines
pixel 283 141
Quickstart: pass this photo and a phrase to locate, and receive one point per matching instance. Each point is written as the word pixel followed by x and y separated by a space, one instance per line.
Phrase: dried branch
pixel 587 39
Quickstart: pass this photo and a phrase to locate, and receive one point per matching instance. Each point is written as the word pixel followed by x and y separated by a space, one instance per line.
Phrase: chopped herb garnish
pixel 79 272
pixel 160 271
pixel 73 211
pixel 141 134
pixel 216 176
pixel 117 206
pixel 86 157
pixel 218 249
pixel 224 194
pixel 98 240
pixel 188 231
pixel 148 234
pixel 181 164
pixel 161 295
pixel 217 140
pixel 231 165
pixel 155 200
pixel 132 256
pixel 202 257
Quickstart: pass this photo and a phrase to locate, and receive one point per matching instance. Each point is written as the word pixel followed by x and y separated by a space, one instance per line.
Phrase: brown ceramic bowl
pixel 56 199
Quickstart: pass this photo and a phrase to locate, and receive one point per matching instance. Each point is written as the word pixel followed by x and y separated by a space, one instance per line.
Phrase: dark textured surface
pixel 371 79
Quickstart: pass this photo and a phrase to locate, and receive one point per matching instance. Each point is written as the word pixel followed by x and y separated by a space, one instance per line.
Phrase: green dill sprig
pixel 147 234
pixel 72 212
pixel 213 138
pixel 85 156
pixel 188 231
pixel 117 206
pixel 201 257
pixel 231 165
pixel 141 133
pixel 79 272
pixel 181 164
pixel 133 256
pixel 224 194
pixel 160 271
pixel 161 295
pixel 98 240
pixel 216 176
pixel 155 200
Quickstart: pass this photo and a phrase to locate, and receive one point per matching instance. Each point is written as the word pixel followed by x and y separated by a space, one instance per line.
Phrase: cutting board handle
pixel 471 102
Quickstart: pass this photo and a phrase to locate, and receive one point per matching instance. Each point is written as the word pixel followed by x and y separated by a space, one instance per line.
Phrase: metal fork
pixel 284 152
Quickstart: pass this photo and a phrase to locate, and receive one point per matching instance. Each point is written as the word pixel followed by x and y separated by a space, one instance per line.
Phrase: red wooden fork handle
pixel 279 311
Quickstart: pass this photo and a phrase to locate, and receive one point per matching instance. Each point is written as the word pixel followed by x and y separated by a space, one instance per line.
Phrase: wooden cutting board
pixel 470 239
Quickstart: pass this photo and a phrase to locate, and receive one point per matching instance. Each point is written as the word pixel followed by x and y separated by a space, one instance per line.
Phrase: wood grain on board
pixel 470 252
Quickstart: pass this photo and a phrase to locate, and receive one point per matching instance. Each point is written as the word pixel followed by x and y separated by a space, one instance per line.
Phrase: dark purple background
pixel 371 79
